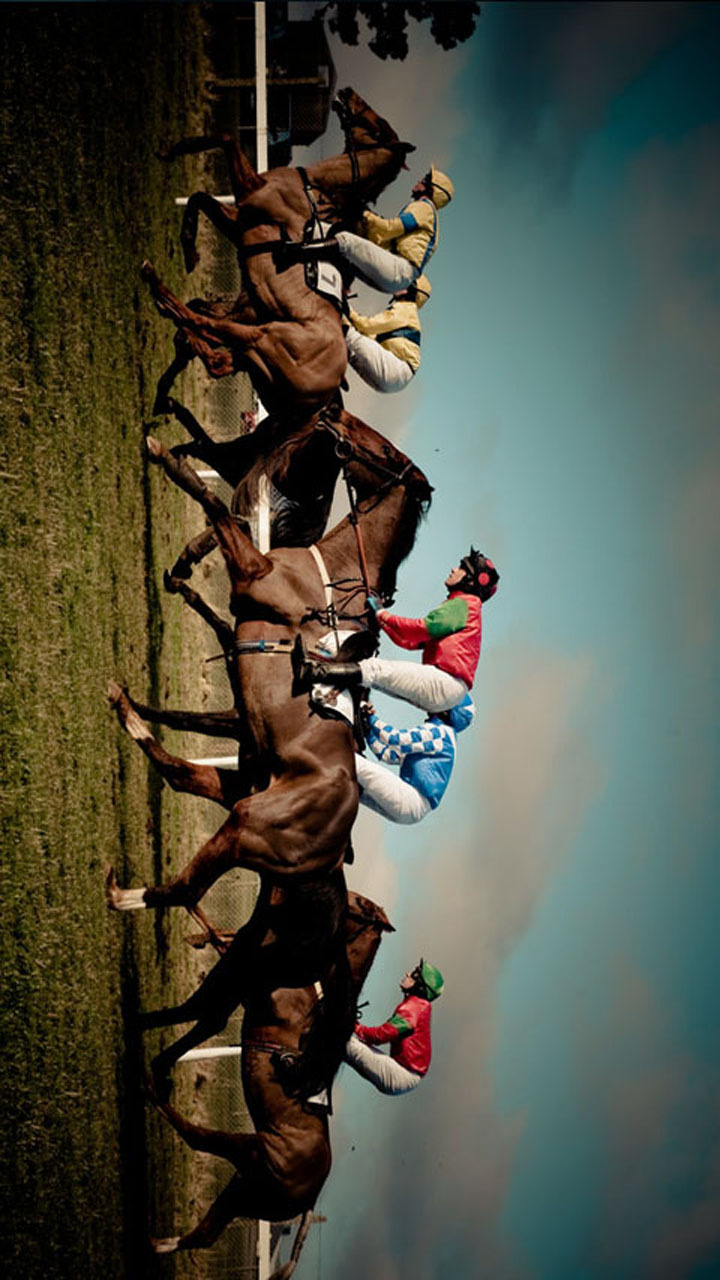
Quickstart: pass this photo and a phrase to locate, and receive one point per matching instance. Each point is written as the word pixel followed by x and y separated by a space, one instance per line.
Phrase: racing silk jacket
pixel 407 1032
pixel 397 330
pixel 426 754
pixel 449 636
pixel 414 232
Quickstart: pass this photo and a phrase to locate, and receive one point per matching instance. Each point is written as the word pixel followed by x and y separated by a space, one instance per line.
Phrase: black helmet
pixel 481 576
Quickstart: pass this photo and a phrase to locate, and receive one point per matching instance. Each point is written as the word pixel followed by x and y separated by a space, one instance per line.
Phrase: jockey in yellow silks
pixel 384 349
pixel 396 250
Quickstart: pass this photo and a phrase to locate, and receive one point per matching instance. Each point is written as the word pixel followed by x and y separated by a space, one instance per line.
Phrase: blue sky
pixel 566 411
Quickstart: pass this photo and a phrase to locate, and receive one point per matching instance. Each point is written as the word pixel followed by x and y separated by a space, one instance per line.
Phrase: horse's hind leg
pixel 220 785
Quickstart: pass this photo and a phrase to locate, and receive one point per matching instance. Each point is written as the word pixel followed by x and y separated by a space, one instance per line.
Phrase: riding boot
pixel 308 671
pixel 327 250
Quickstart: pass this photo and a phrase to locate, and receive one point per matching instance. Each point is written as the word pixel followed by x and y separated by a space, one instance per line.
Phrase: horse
pixel 281 1168
pixel 304 790
pixel 282 330
pixel 302 469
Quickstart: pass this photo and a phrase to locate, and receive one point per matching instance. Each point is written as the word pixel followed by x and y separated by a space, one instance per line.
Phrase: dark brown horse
pixel 305 796
pixel 302 469
pixel 282 331
pixel 282 1167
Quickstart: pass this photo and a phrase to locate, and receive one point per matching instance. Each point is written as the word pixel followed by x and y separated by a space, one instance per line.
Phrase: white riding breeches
pixel 379 1068
pixel 424 686
pixel 380 267
pixel 382 370
pixel 386 793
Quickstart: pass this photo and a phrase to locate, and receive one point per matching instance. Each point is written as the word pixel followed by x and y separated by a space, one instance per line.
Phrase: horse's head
pixel 366 131
pixel 371 463
pixel 363 913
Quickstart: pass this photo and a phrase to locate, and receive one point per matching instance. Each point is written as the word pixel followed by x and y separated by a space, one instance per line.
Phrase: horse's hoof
pixel 169 1245
pixel 114 693
pixel 170 581
pixel 148 272
pixel 154 448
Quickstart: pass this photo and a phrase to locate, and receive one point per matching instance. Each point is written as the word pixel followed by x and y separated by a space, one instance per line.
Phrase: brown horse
pixel 282 331
pixel 299 817
pixel 282 1167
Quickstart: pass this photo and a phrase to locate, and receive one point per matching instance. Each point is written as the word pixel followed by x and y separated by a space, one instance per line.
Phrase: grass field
pixel 92 91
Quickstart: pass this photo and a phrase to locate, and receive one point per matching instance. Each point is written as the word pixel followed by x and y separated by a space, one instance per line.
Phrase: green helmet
pixel 428 980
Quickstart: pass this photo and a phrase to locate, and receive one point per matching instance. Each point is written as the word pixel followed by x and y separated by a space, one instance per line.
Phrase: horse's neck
pixel 353 179
pixel 378 523
pixel 361 951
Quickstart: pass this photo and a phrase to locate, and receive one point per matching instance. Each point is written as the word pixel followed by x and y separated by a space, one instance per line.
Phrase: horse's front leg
pixel 194 552
pixel 243 177
pixel 245 564
pixel 221 785
pixel 231 1203
pixel 178 365
pixel 215 724
pixel 224 218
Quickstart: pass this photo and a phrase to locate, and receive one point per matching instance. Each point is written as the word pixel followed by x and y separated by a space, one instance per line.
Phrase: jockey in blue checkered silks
pixel 426 755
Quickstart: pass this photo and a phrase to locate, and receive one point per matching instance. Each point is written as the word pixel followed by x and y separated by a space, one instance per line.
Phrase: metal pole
pixel 261 164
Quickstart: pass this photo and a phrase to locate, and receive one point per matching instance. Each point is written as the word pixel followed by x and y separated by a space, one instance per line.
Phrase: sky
pixel 566 412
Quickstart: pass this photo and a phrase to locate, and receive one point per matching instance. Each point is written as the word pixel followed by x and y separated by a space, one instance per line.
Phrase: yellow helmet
pixel 423 289
pixel 441 187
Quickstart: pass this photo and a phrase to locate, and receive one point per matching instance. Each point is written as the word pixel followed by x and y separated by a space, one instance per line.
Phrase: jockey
pixel 407 1032
pixel 449 637
pixel 395 251
pixel 426 755
pixel 384 349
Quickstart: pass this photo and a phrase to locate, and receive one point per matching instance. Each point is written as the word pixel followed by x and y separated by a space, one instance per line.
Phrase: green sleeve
pixel 400 1024
pixel 449 617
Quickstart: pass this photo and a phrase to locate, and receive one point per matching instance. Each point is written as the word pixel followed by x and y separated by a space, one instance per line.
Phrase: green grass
pixel 93 90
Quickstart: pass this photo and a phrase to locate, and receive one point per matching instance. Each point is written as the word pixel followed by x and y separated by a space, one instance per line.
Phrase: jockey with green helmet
pixel 407 1032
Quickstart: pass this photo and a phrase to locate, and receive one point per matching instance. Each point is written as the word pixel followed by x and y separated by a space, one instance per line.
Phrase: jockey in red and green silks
pixel 449 637
pixel 407 1032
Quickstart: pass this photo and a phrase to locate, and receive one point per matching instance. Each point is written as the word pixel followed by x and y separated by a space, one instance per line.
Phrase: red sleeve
pixel 408 633
pixel 394 1029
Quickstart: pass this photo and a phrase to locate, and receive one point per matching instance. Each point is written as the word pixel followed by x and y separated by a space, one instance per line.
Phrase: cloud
pixel 673 238
pixel 479 877
pixel 696 548
pixel 556 70
pixel 656 1110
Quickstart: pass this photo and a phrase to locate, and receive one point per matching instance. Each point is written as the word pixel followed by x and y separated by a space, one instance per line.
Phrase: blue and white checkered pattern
pixel 392 745
pixel 426 754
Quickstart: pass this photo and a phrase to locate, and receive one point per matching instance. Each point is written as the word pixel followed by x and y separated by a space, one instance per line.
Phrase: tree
pixel 450 23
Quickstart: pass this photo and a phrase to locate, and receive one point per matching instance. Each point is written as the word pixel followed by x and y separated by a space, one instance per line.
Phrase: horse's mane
pixel 419 499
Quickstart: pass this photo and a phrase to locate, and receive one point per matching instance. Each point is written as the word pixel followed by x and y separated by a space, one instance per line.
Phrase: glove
pixel 373 603
pixel 379 230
